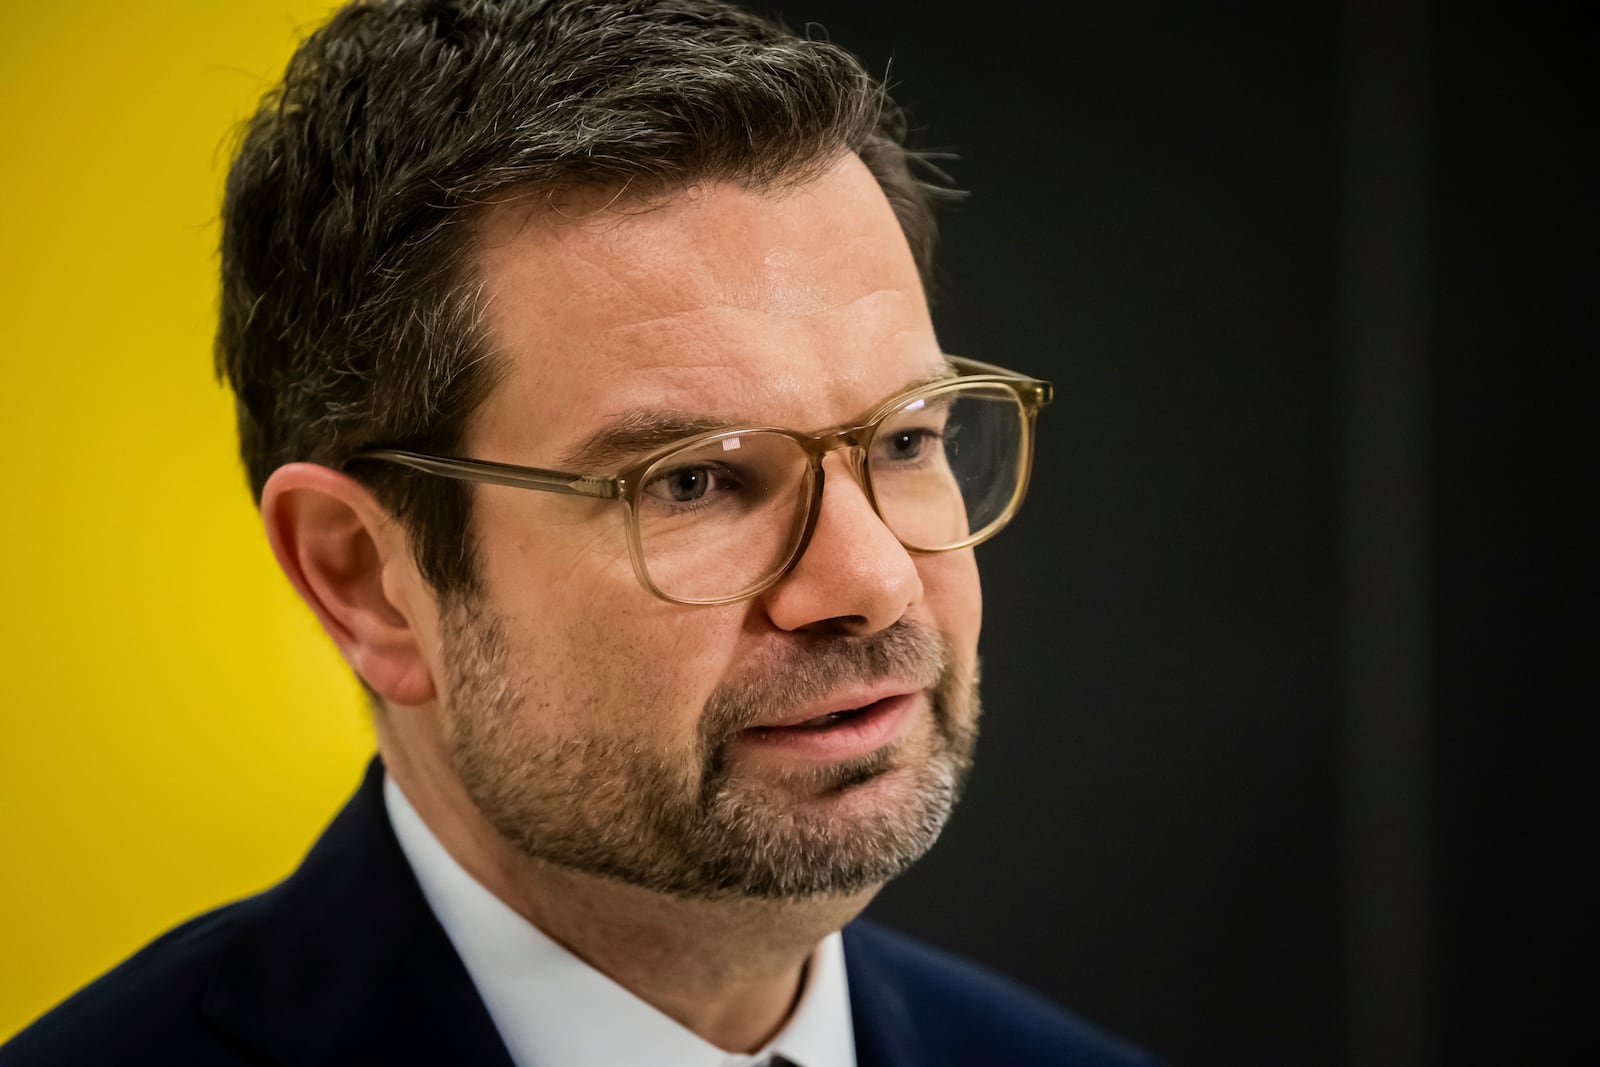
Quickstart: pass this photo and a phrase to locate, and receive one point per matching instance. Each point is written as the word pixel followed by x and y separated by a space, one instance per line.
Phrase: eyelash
pixel 686 506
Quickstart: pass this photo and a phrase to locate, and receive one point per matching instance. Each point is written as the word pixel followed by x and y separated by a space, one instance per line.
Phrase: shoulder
pixel 147 1010
pixel 340 962
pixel 961 1012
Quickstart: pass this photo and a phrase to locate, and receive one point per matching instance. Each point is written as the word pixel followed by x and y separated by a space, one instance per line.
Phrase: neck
pixel 730 970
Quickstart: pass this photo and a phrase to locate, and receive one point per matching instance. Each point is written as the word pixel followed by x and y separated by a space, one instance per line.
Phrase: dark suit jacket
pixel 343 963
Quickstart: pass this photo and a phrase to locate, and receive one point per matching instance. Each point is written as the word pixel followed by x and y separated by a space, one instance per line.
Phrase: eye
pixel 687 484
pixel 908 445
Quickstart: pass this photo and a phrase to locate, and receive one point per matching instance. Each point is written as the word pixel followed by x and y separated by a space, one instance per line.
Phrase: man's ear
pixel 348 559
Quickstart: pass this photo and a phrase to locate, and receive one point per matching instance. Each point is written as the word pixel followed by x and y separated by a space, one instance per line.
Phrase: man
pixel 518 299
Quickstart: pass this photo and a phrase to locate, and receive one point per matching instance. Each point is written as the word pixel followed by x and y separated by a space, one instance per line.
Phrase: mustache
pixel 904 651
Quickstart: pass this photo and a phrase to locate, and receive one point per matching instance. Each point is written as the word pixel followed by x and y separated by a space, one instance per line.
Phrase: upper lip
pixel 849 699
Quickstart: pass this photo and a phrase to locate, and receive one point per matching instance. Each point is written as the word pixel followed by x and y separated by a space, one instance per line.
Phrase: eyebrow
pixel 639 432
pixel 945 372
pixel 634 434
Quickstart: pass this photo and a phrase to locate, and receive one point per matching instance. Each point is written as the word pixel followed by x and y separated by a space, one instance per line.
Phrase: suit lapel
pixel 344 963
pixel 886 1035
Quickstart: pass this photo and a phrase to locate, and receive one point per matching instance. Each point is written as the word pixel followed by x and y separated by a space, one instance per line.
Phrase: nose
pixel 855 577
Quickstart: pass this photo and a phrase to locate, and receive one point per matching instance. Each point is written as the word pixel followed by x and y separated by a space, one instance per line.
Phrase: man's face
pixel 809 740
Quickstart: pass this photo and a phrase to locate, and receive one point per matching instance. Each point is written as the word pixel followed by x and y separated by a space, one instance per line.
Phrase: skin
pixel 799 307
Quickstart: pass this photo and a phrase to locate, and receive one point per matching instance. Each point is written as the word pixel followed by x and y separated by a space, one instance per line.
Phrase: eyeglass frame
pixel 626 484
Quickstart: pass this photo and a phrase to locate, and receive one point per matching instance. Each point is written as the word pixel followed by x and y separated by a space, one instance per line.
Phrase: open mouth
pixel 821 722
pixel 844 734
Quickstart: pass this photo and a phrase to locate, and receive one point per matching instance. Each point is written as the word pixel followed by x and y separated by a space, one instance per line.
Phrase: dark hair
pixel 350 317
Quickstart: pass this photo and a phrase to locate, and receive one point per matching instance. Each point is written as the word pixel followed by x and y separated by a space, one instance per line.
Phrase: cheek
pixel 599 657
pixel 557 544
pixel 954 596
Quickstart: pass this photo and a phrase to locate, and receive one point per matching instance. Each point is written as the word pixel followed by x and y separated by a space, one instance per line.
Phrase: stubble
pixel 701 825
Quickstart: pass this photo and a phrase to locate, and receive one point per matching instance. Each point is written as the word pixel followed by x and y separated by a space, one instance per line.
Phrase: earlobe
pixel 335 544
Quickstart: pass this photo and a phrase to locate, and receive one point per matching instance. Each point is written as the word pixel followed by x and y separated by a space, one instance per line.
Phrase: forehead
pixel 799 306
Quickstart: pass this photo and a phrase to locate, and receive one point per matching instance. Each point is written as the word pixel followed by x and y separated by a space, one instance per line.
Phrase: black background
pixel 1288 660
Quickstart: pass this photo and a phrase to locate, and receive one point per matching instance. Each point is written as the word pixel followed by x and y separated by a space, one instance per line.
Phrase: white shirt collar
pixel 553 1010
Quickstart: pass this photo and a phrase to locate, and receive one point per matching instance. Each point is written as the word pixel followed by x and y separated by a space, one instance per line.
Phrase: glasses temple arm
pixel 478 470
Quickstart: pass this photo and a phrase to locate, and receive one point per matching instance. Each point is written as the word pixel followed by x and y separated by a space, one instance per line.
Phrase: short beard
pixel 689 827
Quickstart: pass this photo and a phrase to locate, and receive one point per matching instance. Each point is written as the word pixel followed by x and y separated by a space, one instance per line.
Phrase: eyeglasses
pixel 721 516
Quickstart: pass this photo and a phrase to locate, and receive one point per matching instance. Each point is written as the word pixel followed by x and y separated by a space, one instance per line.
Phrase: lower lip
pixel 858 735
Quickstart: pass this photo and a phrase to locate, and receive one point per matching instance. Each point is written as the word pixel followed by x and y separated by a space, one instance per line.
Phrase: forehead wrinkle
pixel 717 339
pixel 769 304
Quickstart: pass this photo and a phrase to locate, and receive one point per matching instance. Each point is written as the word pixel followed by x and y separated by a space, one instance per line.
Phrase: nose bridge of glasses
pixel 852 440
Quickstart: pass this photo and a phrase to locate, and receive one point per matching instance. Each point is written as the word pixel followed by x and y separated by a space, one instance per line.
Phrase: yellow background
pixel 175 728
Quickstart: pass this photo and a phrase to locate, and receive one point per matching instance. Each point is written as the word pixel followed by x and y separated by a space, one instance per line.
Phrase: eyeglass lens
pixel 720 518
